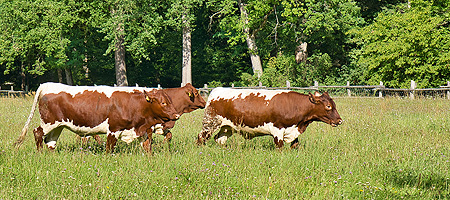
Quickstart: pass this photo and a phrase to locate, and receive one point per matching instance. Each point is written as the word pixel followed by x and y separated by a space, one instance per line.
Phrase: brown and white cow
pixel 282 114
pixel 124 113
pixel 185 100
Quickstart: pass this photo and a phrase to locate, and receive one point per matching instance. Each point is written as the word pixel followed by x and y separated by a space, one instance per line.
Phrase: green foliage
pixel 406 44
pixel 34 35
pixel 363 42
pixel 214 84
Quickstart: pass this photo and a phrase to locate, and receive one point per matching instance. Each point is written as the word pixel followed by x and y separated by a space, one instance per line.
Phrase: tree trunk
pixel 251 42
pixel 186 65
pixel 68 73
pixel 301 52
pixel 60 76
pixel 119 53
pixel 23 76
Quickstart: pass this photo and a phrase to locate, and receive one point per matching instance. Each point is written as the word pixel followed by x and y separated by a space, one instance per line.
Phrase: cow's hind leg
pixel 52 137
pixel 38 137
pixel 294 143
pixel 210 125
pixel 224 133
pixel 111 141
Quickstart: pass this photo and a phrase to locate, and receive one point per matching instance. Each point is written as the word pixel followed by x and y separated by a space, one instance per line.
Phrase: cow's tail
pixel 21 138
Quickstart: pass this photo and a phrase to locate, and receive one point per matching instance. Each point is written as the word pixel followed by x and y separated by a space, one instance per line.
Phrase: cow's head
pixel 192 98
pixel 160 105
pixel 325 108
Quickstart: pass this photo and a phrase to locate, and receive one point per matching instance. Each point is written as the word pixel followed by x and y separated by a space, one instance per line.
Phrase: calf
pixel 282 114
pixel 123 113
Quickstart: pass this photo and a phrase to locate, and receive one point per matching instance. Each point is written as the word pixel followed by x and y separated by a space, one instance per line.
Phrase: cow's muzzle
pixel 338 122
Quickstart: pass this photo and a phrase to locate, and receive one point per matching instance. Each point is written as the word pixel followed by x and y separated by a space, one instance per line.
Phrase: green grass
pixel 386 149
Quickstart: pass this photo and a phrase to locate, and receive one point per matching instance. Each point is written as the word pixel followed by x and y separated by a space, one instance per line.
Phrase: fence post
pixel 288 84
pixel 448 91
pixel 316 85
pixel 348 89
pixel 205 85
pixel 232 85
pixel 260 84
pixel 413 87
pixel 380 93
pixel 159 86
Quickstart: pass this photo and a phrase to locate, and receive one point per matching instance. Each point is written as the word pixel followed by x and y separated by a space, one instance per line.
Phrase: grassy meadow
pixel 386 149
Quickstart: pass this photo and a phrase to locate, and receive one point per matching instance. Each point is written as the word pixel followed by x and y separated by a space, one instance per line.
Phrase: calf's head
pixel 193 99
pixel 325 109
pixel 160 105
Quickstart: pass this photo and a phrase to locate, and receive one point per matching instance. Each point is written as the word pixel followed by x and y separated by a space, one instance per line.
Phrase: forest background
pixel 224 42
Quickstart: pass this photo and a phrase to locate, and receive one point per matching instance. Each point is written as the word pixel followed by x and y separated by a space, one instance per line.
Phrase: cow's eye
pixel 328 107
pixel 164 104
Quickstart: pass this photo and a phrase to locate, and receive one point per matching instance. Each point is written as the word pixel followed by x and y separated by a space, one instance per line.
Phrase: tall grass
pixel 387 148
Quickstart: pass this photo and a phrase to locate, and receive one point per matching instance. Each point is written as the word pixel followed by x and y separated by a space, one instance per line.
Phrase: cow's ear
pixel 314 98
pixel 147 97
pixel 190 93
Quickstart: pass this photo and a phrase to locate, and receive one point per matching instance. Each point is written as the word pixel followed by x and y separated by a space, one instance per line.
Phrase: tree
pixel 33 36
pixel 240 21
pixel 129 26
pixel 406 44
pixel 180 15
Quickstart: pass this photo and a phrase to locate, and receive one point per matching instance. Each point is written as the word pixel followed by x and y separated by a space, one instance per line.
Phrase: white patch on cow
pixel 227 93
pixel 127 136
pixel 56 88
pixel 288 134
pixel 158 129
pixel 80 130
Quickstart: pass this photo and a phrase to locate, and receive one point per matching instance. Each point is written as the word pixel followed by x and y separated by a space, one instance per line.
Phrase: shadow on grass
pixel 435 183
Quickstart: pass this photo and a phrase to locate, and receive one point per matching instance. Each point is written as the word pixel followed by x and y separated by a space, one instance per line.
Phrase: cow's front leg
pixel 111 141
pixel 300 129
pixel 167 135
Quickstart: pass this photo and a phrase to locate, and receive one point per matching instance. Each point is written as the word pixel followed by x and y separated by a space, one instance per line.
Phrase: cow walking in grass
pixel 124 113
pixel 283 114
pixel 185 100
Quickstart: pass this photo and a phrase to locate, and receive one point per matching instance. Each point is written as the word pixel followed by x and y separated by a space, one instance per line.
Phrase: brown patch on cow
pixel 254 110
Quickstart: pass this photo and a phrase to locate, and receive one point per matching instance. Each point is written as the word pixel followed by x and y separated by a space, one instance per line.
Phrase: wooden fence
pixel 12 92
pixel 372 91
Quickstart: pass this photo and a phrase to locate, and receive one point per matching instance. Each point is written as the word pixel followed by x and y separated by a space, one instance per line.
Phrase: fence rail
pixel 12 92
pixel 374 91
